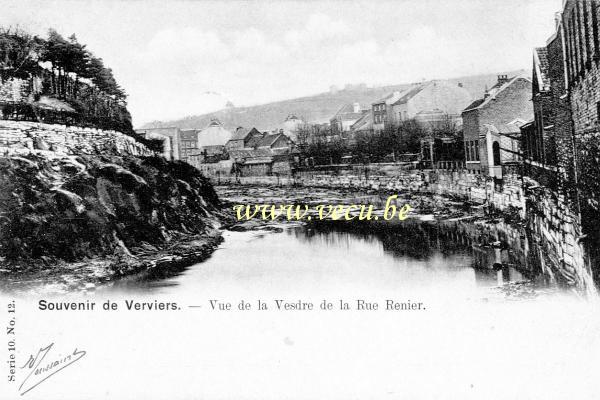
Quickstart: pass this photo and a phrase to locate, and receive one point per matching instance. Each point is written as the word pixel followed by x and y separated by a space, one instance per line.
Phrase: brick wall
pixel 580 25
pixel 471 133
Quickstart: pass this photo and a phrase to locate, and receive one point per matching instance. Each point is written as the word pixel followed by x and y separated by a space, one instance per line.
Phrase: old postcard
pixel 266 200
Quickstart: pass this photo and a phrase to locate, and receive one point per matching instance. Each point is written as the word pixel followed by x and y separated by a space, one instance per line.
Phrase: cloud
pixel 252 65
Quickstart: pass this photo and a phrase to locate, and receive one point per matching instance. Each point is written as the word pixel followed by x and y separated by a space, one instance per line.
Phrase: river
pixel 418 255
pixel 435 309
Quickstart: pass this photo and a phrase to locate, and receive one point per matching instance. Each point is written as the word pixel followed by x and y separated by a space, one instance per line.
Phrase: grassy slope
pixel 317 108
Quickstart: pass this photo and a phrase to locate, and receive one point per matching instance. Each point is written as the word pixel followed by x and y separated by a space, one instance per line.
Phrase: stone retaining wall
pixel 18 137
pixel 557 230
pixel 470 186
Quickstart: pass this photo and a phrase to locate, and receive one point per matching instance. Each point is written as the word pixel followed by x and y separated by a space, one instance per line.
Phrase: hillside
pixel 317 108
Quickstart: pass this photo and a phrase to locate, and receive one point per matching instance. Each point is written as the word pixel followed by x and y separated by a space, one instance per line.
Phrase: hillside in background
pixel 318 108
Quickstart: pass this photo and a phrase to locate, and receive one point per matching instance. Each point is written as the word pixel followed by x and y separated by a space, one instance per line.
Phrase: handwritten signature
pixel 38 374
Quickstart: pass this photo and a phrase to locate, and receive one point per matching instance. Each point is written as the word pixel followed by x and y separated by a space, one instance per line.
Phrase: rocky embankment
pixel 87 216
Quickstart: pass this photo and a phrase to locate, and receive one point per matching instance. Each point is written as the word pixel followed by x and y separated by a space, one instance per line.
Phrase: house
pixel 345 117
pixel 499 114
pixel 213 135
pixel 188 141
pixel 170 138
pixel 264 154
pixel 382 111
pixel 275 141
pixel 252 162
pixel 268 165
pixel 434 104
pixel 243 138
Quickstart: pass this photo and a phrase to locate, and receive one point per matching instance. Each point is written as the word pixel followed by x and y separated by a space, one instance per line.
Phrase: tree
pixel 18 53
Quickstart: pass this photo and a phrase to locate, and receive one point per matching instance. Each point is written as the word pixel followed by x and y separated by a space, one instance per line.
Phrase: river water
pixel 326 259
pixel 470 257
pixel 435 310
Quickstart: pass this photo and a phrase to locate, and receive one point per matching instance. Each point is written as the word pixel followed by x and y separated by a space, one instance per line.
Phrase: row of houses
pixel 489 128
pixel 432 104
pixel 217 150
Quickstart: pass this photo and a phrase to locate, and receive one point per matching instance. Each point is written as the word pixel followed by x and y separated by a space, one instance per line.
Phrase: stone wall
pixel 555 228
pixel 18 137
pixel 459 183
pixel 552 227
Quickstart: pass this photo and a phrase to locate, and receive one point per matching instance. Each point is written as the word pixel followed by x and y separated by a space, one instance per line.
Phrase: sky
pixel 181 58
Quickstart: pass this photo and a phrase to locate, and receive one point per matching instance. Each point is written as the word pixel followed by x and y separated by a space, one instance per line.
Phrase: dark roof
pixel 494 91
pixel 408 94
pixel 268 140
pixel 241 133
pixel 255 140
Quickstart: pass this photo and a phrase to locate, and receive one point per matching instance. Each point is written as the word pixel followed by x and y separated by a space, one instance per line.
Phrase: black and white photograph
pixel 299 199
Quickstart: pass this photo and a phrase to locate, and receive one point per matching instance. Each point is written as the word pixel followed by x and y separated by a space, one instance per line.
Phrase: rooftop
pixel 491 94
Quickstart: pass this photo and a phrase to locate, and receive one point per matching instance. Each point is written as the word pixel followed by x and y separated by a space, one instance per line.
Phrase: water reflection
pixel 498 254
pixel 342 255
pixel 448 255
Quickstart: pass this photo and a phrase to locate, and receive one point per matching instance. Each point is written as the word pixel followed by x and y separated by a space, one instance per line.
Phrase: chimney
pixel 356 107
pixel 460 84
pixel 502 79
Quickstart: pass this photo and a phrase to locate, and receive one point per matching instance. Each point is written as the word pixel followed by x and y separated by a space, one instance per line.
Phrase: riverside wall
pixel 552 228
pixel 386 177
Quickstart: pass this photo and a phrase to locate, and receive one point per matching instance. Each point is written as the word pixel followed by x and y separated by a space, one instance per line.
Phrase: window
pixel 476 145
pixel 496 153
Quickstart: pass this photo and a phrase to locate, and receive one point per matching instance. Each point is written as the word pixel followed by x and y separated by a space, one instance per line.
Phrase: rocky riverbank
pixel 82 219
